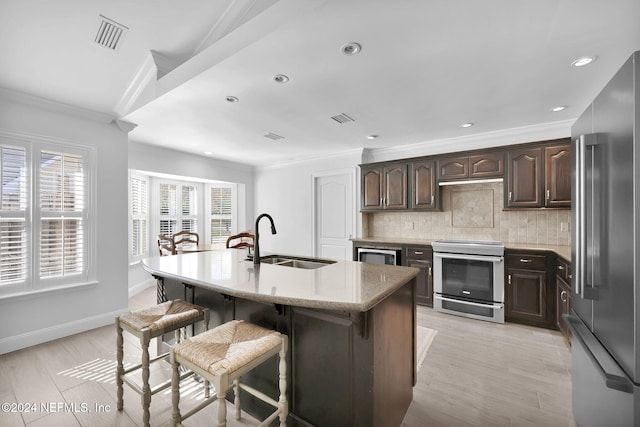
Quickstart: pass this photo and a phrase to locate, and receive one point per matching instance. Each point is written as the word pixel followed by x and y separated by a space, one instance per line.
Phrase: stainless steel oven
pixel 389 256
pixel 468 278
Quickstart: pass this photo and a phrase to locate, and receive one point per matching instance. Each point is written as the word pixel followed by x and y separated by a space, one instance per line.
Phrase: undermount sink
pixel 295 262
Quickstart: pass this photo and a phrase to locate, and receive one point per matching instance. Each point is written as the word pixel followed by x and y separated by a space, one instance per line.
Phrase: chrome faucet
pixel 256 243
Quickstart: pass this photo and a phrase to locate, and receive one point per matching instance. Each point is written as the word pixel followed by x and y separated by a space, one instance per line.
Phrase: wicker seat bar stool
pixel 221 356
pixel 146 324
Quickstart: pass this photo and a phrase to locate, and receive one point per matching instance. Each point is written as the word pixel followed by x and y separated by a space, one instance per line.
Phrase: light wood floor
pixel 475 374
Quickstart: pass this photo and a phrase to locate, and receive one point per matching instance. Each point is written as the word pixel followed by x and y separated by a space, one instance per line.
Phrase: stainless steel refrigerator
pixel 605 254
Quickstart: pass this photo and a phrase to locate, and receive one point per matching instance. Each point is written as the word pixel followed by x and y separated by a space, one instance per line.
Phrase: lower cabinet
pixel 422 258
pixel 563 297
pixel 529 294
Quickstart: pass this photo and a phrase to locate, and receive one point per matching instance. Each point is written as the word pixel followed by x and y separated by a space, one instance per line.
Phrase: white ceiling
pixel 425 68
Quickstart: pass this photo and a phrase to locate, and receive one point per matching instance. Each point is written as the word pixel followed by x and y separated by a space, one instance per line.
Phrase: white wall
pixel 38 317
pixel 285 192
pixel 148 158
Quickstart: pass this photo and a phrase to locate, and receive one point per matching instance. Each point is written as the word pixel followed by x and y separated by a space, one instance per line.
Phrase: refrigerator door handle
pixel 580 269
pixel 615 378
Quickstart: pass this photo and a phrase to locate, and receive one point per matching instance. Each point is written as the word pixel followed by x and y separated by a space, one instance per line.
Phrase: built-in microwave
pixel 379 256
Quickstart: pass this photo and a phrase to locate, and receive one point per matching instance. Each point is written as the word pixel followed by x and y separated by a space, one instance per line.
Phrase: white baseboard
pixel 40 336
pixel 136 289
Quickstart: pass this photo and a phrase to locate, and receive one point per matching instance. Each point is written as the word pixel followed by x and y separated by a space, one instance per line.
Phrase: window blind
pixel 62 191
pixel 139 216
pixel 221 209
pixel 13 215
pixel 178 208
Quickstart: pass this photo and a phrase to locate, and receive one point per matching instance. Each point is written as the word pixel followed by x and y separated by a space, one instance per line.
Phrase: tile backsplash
pixel 473 211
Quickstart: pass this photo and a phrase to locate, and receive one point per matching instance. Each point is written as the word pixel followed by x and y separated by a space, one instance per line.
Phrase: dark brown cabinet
pixel 384 187
pixel 557 167
pixel 530 296
pixel 539 177
pixel 563 296
pixel 423 189
pixel 484 165
pixel 524 178
pixel 453 168
pixel 422 258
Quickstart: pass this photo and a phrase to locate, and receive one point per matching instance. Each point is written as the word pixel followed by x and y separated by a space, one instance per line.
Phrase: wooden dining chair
pixel 240 240
pixel 183 238
pixel 165 245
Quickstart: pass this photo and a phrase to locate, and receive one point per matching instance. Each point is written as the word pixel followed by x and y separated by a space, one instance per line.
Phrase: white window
pixel 222 211
pixel 178 208
pixel 138 215
pixel 13 218
pixel 44 234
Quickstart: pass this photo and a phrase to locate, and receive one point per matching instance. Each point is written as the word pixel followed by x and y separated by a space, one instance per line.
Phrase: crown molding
pixel 503 137
pixel 125 126
pixel 54 106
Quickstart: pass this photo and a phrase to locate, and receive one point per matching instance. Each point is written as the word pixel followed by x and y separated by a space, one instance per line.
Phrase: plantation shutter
pixel 189 217
pixel 13 216
pixel 221 214
pixel 168 209
pixel 139 216
pixel 62 205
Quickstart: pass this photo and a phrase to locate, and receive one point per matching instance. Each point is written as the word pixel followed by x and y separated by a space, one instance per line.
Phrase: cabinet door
pixel 395 184
pixel 524 178
pixel 453 168
pixel 489 165
pixel 557 168
pixel 372 179
pixel 424 283
pixel 422 258
pixel 563 300
pixel 527 295
pixel 424 189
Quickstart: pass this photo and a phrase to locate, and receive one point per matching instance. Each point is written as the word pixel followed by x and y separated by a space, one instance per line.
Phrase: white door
pixel 334 215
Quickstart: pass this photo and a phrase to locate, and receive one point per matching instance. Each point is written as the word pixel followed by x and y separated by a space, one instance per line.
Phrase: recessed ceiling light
pixel 466 125
pixel 208 153
pixel 372 136
pixel 280 78
pixel 558 108
pixel 232 99
pixel 352 48
pixel 585 60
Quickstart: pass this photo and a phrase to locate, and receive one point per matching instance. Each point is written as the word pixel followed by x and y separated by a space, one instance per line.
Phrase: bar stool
pixel 146 324
pixel 221 356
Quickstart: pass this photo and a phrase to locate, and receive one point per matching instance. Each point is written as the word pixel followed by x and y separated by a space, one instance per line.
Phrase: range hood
pixel 469 181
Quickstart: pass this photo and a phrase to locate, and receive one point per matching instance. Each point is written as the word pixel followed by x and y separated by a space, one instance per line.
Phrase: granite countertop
pixel 561 250
pixel 343 285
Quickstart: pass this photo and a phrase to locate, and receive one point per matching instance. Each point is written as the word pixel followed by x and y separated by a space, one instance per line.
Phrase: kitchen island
pixel 351 328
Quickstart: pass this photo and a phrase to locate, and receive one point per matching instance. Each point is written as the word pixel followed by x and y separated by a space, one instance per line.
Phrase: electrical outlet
pixel 564 226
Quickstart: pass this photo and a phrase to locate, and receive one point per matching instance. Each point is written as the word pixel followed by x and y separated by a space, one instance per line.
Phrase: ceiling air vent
pixel 342 118
pixel 273 136
pixel 110 34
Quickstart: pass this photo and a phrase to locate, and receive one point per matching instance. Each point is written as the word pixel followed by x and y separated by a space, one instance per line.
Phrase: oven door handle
pixel 477 304
pixel 486 258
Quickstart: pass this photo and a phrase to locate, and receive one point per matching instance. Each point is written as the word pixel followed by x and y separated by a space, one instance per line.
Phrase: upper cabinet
pixel 485 165
pixel 536 175
pixel 524 178
pixel 539 177
pixel 557 166
pixel 423 191
pixel 384 187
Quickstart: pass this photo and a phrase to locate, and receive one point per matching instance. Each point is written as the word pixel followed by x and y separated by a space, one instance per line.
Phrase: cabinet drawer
pixel 527 261
pixel 419 253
